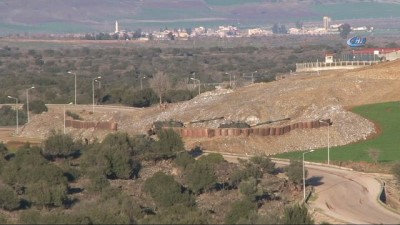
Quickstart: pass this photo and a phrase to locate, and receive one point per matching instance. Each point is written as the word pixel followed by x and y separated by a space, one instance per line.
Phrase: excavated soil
pixel 302 98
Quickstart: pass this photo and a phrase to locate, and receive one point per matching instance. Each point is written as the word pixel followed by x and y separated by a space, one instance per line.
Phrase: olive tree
pixel 8 198
pixel 165 191
pixel 59 145
pixel 297 214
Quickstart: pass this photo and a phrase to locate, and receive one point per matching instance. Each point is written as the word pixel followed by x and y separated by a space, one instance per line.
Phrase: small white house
pixel 328 58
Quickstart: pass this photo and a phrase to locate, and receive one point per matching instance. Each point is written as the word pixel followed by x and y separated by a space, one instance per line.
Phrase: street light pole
pixel 321 121
pixel 194 77
pixel 304 176
pixel 141 84
pixel 252 76
pixel 64 115
pixel 198 81
pixel 93 80
pixel 27 101
pixel 75 83
pixel 16 108
pixel 230 79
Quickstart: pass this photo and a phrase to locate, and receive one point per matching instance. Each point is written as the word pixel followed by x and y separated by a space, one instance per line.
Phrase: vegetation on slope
pixel 129 180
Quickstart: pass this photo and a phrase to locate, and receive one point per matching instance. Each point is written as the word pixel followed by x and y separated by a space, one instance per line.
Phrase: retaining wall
pixel 264 131
pixel 91 124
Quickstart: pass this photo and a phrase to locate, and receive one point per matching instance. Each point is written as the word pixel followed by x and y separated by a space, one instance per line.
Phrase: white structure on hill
pixel 326 20
pixel 116 27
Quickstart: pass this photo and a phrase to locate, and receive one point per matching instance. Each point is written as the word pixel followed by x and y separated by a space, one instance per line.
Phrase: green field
pixel 229 2
pixel 340 11
pixel 52 27
pixel 174 13
pixel 388 142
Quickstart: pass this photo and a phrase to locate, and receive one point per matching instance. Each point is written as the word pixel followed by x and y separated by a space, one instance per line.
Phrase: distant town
pixel 222 32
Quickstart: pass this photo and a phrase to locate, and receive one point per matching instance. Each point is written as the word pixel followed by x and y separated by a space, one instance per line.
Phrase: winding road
pixel 349 196
pixel 346 195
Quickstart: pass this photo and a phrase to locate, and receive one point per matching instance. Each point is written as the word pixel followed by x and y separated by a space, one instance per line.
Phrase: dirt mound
pixel 299 97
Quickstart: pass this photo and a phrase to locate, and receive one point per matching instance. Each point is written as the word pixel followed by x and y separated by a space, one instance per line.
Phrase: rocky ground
pixel 299 97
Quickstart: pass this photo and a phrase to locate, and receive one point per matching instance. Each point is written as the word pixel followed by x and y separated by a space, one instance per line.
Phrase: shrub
pixel 184 159
pixel 43 183
pixel 297 214
pixel 3 219
pixel 73 115
pixel 177 214
pixel 18 170
pixel 167 146
pixel 251 189
pixel 98 182
pixel 114 157
pixel 200 176
pixel 212 159
pixel 107 213
pixel 3 153
pixel 8 116
pixel 165 191
pixel 242 209
pixel 3 149
pixel 396 171
pixel 8 198
pixel 59 145
pixel 30 216
pixel 249 170
pixel 158 125
pixel 264 163
pixel 140 98
pixel 295 172
pixel 178 95
pixel 36 107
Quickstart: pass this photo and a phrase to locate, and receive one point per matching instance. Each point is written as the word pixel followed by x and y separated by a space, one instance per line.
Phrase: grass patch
pixel 387 143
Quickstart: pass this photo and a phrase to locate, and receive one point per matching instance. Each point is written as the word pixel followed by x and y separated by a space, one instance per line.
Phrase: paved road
pixel 348 196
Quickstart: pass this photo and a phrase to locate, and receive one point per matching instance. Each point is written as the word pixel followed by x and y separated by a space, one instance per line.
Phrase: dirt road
pixel 7 135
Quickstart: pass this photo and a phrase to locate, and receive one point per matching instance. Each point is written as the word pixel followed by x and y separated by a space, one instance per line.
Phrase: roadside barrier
pixel 91 124
pixel 265 131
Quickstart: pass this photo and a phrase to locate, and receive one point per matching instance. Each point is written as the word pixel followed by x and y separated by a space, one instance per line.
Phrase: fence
pixel 266 131
pixel 91 124
pixel 337 65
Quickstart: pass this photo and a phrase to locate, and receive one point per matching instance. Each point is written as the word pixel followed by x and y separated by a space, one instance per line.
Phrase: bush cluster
pixel 36 107
pixel 8 116
pixel 73 115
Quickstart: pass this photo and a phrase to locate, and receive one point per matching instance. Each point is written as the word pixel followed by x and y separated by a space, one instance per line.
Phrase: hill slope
pixel 301 98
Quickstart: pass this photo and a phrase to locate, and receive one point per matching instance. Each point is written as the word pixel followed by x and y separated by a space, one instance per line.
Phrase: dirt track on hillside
pixel 299 97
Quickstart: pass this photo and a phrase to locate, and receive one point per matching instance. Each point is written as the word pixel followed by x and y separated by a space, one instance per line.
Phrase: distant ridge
pixel 60 16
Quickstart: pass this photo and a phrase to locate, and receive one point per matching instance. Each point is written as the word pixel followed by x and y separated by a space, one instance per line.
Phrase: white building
pixel 116 27
pixel 326 21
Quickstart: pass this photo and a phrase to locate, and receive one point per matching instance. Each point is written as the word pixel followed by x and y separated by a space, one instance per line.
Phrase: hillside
pixel 57 16
pixel 302 98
